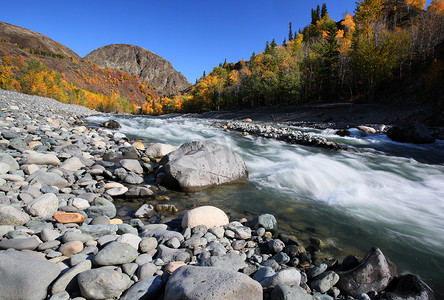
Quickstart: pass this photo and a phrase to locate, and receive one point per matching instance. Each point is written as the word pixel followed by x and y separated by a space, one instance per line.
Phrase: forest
pixel 386 47
pixel 387 51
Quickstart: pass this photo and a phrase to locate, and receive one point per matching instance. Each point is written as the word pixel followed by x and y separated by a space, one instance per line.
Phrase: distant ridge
pixel 32 40
pixel 156 71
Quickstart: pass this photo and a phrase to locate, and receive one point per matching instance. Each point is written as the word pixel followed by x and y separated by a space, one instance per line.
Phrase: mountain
pixel 156 71
pixel 34 41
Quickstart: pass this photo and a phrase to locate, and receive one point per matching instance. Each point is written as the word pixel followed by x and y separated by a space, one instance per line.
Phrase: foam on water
pixel 396 196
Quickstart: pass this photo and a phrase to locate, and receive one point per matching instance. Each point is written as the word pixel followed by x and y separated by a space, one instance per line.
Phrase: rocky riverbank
pixel 60 238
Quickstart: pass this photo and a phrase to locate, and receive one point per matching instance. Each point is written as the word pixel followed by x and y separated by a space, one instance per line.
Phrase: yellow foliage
pixel 418 4
pixel 437 7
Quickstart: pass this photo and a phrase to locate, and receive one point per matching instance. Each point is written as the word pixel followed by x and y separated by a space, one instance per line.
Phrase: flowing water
pixel 386 194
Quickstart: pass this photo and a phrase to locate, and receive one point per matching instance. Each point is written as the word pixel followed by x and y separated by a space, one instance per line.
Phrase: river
pixel 386 194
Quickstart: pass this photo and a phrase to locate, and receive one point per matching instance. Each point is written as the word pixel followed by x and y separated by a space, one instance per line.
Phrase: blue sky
pixel 193 35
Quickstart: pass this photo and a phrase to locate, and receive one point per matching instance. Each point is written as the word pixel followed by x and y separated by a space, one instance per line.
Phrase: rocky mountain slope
pixel 156 71
pixel 33 41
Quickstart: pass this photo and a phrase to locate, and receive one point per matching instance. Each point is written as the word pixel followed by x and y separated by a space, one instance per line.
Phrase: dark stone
pixel 408 286
pixel 416 133
pixel 343 132
pixel 350 262
pixel 111 124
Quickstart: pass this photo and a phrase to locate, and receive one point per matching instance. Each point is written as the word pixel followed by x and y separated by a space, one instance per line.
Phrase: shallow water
pixel 386 194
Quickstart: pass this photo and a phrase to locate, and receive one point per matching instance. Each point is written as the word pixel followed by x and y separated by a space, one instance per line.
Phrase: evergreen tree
pixel 273 44
pixel 318 13
pixel 290 34
pixel 329 51
pixel 204 75
pixel 267 47
pixel 284 43
pixel 324 10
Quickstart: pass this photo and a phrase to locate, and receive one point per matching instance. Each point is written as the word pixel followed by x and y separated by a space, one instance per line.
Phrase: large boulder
pixel 209 216
pixel 25 276
pixel 199 165
pixel 416 133
pixel 190 282
pixel 374 273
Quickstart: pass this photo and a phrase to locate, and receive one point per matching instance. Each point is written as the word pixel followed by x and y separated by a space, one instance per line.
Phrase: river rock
pixel 189 282
pixel 45 205
pixel 116 253
pixel 416 133
pixel 4 168
pixel 276 245
pixel 131 239
pixel 266 221
pixel 111 124
pixel 145 211
pixel 367 129
pixel 231 261
pixel 70 248
pixel 209 216
pixel 117 191
pixel 159 150
pixel 147 244
pixel 19 244
pixel 68 281
pixel 102 283
pixel 25 276
pixel 146 270
pixel 325 281
pixel 145 289
pixel 198 165
pixel 47 178
pixel 10 215
pixel 290 276
pixel 132 165
pixel 374 273
pixel 286 292
pixel 64 217
pixel 72 164
pixel 262 273
pixel 163 235
pixel 168 255
pixel 42 159
pixel 408 286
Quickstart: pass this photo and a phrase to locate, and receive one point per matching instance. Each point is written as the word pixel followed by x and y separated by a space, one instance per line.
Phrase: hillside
pixel 155 70
pixel 29 39
pixel 32 63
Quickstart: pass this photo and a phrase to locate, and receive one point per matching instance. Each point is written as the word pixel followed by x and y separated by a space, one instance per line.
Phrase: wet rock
pixel 416 133
pixel 111 124
pixel 367 129
pixel 190 282
pixel 145 211
pixel 266 221
pixel 115 253
pixel 199 165
pixel 317 270
pixel 408 286
pixel 102 283
pixel 25 276
pixel 373 274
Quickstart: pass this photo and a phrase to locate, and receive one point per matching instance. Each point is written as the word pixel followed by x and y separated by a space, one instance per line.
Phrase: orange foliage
pixel 437 7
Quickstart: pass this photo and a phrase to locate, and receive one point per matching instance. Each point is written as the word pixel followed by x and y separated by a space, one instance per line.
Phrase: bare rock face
pixel 156 71
pixel 32 40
